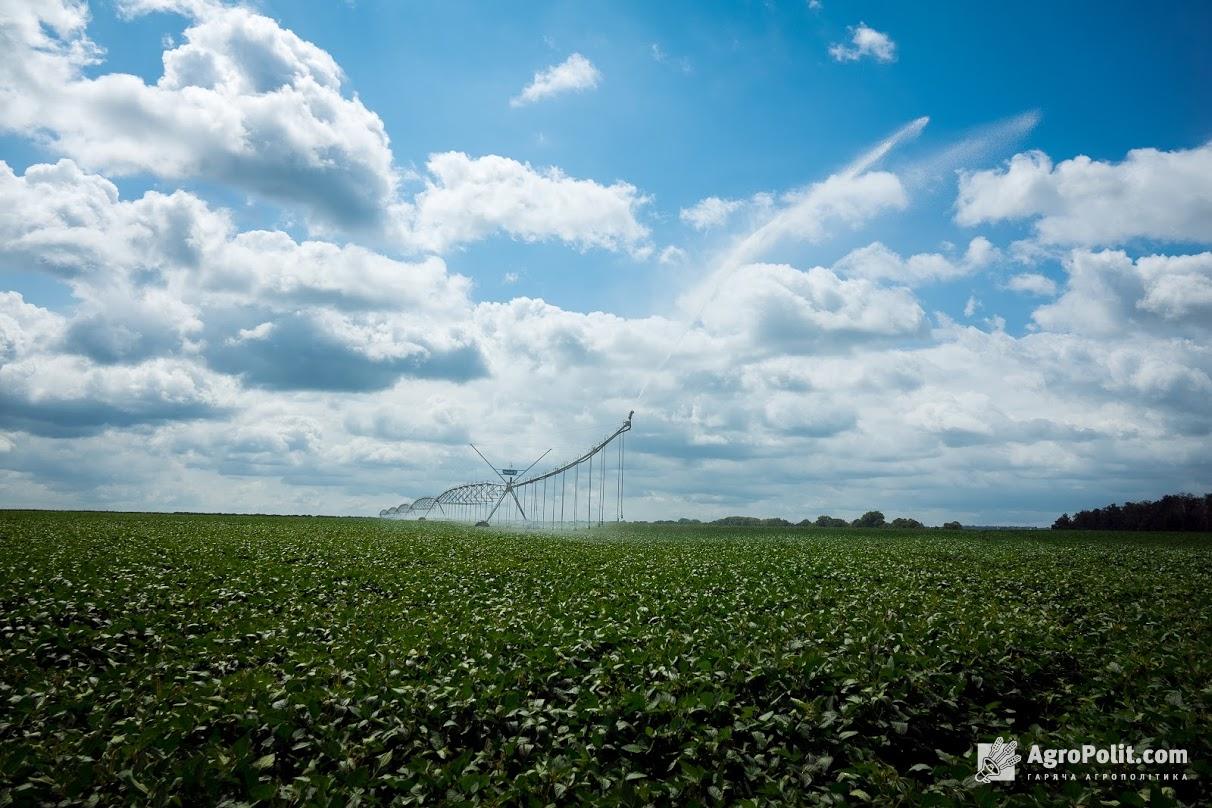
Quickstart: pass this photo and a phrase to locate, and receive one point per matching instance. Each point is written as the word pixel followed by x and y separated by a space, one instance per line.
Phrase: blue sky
pixel 971 251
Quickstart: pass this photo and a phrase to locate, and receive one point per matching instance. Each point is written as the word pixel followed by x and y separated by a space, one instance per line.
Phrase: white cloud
pixel 710 212
pixel 574 74
pixel 67 395
pixel 1032 283
pixel 820 382
pixel 509 278
pixel 260 331
pixel 877 262
pixel 48 392
pixel 782 309
pixel 671 255
pixel 1151 194
pixel 242 101
pixel 818 211
pixel 246 103
pixel 200 366
pixel 270 266
pixel 74 224
pixel 467 199
pixel 866 41
pixel 26 328
pixel 971 306
pixel 1178 287
pixel 1108 293
pixel 166 276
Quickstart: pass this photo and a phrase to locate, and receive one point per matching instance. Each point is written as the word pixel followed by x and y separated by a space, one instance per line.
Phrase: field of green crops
pixel 200 659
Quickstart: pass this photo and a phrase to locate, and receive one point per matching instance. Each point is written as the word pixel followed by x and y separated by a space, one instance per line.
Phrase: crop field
pixel 171 659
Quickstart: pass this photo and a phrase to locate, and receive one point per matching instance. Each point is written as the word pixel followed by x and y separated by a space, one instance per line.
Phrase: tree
pixel 1171 512
pixel 738 521
pixel 870 519
pixel 831 521
pixel 903 522
pixel 952 526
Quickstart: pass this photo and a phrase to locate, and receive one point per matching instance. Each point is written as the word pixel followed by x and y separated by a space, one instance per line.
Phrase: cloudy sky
pixel 292 257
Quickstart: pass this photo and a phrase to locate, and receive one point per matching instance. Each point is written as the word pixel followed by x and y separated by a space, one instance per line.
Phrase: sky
pixel 292 257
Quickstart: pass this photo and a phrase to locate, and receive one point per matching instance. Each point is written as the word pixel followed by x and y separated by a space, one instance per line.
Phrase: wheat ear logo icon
pixel 996 761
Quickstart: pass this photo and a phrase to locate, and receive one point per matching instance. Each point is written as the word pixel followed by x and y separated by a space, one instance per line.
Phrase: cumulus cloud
pixel 228 352
pixel 241 101
pixel 327 350
pixel 1150 194
pixel 65 396
pixel 1032 283
pixel 246 103
pixel 24 327
pixel 73 223
pixel 785 310
pixel 70 222
pixel 165 276
pixel 1177 287
pixel 830 385
pixel 259 331
pixel 272 267
pixel 46 392
pixel 1107 292
pixel 574 74
pixel 710 212
pixel 865 41
pixel 121 324
pixel 469 198
pixel 877 262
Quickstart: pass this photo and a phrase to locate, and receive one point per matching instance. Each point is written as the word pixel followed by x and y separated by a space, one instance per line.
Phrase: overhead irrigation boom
pixel 520 498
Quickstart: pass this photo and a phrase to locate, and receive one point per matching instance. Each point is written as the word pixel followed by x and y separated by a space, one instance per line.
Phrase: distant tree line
pixel 869 519
pixel 1172 512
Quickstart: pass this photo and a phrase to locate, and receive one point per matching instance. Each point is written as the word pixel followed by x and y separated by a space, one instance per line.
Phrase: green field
pixel 187 659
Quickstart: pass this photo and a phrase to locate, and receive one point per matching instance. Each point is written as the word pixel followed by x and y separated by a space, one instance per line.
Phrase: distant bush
pixel 952 526
pixel 870 519
pixel 751 521
pixel 1172 512
pixel 738 521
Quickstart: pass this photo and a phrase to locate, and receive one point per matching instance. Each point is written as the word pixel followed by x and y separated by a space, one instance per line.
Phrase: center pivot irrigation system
pixel 528 500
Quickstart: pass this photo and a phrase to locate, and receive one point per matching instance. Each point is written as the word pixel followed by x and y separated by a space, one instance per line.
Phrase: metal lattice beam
pixel 481 501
